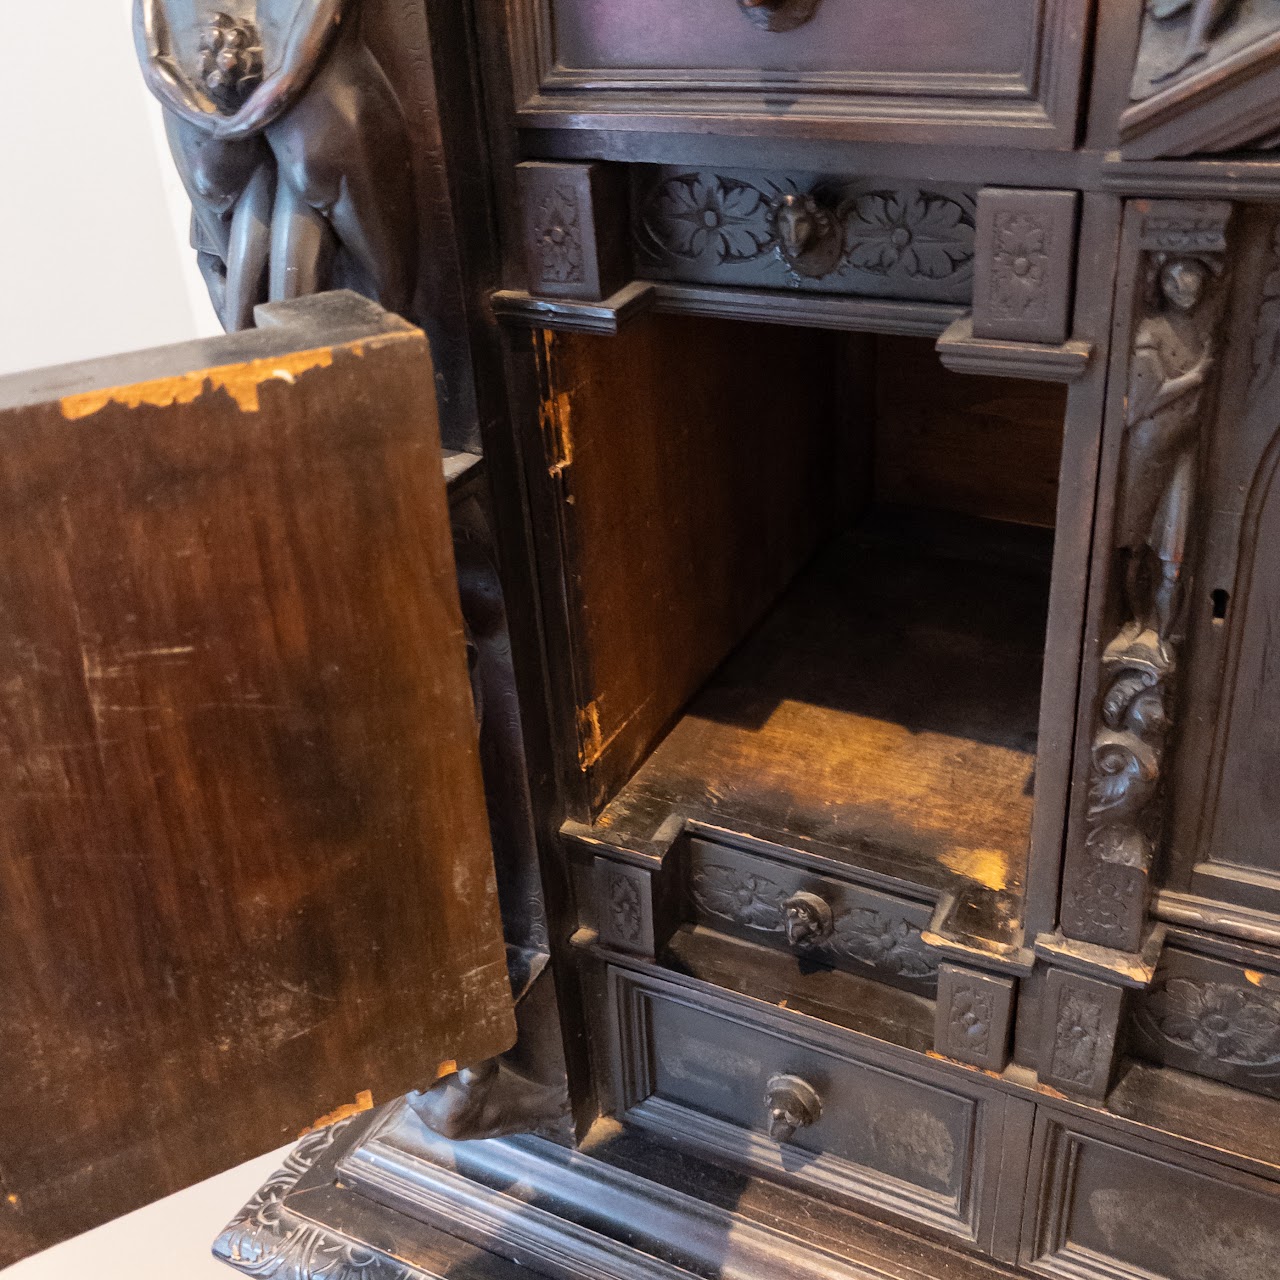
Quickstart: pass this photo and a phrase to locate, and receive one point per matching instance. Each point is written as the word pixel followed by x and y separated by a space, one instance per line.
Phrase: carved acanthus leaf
pixel 1217 1021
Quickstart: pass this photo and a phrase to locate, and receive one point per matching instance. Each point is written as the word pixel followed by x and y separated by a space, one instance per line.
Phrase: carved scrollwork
pixel 861 934
pixel 1170 363
pixel 293 148
pixel 839 232
pixel 267 1240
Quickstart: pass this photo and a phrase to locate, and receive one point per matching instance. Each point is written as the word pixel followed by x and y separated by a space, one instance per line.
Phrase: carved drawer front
pixel 985 71
pixel 878 238
pixel 1143 1212
pixel 815 916
pixel 1213 1018
pixel 806 1104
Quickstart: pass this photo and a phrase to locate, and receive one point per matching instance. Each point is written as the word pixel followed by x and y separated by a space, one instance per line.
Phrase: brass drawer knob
pixel 793 1104
pixel 808 919
pixel 778 15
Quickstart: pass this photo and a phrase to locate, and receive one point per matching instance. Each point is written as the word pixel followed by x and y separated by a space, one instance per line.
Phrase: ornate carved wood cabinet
pixel 880 410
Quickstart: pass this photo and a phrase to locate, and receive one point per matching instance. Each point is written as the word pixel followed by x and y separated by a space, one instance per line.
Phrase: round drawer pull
pixel 808 919
pixel 793 1104
pixel 778 15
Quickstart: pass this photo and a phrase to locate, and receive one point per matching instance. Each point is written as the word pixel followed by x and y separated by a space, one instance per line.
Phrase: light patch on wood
pixel 242 382
pixel 363 1102
pixel 989 867
pixel 449 1068
pixel 590 739
pixel 1253 976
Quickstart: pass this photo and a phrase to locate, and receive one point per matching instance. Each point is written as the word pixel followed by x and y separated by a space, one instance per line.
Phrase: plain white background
pixel 94 260
pixel 93 220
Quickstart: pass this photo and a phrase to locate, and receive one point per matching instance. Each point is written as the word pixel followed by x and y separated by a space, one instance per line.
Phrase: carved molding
pixel 301 179
pixel 268 1240
pixel 1181 271
pixel 861 934
pixel 851 236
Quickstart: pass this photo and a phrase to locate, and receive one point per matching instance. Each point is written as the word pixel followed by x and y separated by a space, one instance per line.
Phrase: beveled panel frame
pixel 1035 107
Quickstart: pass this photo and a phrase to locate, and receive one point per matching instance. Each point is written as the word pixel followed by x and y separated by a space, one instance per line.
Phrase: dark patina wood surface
pixel 245 872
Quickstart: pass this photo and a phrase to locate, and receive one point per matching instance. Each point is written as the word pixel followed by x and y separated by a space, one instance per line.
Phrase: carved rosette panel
pixel 624 907
pixel 1180 268
pixel 268 1240
pixel 832 235
pixel 1024 264
pixel 860 934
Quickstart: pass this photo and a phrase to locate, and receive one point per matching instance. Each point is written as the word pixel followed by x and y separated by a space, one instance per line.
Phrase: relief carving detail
pixel 1216 1020
pixel 1171 358
pixel 266 1239
pixel 969 1019
pixel 838 232
pixel 1019 265
pixel 557 233
pixel 623 898
pixel 293 148
pixel 1077 1038
pixel 861 934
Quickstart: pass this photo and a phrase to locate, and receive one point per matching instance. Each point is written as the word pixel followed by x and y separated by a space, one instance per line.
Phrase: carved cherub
pixel 1171 363
pixel 291 144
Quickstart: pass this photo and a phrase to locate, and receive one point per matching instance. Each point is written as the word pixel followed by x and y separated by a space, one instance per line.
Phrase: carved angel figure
pixel 1171 362
pixel 291 144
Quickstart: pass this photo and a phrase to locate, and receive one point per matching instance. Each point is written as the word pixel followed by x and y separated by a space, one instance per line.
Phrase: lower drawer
pixel 1144 1212
pixel 801 1102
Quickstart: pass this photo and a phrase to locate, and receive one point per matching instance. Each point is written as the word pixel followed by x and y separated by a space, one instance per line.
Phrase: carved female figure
pixel 291 144
pixel 1171 362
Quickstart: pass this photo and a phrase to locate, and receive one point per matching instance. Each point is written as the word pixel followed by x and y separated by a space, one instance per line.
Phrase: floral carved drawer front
pixel 863 237
pixel 858 927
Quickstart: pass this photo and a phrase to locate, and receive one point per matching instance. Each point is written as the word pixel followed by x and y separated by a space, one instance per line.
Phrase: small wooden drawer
pixel 813 915
pixel 1140 1211
pixel 988 71
pixel 807 1104
pixel 860 235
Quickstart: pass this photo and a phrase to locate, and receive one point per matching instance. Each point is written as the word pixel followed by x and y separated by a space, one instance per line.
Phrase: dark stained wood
pixel 694 481
pixel 245 871
pixel 885 713
pixel 943 439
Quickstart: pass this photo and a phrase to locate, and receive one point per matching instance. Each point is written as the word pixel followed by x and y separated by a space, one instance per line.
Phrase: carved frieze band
pixel 834 235
pixel 1181 284
pixel 266 1239
pixel 861 934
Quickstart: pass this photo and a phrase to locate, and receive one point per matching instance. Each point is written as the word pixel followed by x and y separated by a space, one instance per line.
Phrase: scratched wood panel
pixel 245 871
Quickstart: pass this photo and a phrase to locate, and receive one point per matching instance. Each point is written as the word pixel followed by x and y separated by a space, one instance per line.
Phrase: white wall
pixel 93 221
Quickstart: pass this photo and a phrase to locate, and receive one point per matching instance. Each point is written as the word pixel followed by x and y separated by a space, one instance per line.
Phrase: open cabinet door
pixel 245 872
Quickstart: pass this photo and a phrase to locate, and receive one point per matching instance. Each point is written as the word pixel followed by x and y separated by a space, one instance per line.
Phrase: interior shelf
pixel 883 714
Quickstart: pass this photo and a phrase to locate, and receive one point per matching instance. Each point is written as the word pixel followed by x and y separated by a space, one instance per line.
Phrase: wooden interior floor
pixel 884 714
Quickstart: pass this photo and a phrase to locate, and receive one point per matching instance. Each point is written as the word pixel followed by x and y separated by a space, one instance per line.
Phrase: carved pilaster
pixel 1178 259
pixel 975 1014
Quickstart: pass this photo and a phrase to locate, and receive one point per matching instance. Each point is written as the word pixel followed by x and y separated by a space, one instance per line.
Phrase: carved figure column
pixel 1176 253
pixel 292 145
